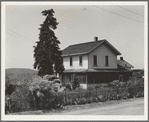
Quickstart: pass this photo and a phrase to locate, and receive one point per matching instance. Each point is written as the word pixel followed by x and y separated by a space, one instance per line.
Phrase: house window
pixel 121 78
pixel 106 60
pixel 80 60
pixel 95 60
pixel 70 61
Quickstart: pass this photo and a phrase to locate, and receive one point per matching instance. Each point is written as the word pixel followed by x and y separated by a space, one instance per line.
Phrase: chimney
pixel 95 39
pixel 121 58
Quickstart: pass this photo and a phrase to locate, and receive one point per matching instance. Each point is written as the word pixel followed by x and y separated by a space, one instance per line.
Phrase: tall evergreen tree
pixel 47 53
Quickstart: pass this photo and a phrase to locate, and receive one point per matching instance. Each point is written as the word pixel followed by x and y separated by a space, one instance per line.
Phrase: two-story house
pixel 94 63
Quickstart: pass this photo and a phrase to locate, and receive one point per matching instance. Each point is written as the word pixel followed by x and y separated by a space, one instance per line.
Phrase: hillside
pixel 20 71
pixel 20 76
pixel 20 79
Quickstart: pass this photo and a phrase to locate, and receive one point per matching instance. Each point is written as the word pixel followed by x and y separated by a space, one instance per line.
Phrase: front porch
pixel 91 77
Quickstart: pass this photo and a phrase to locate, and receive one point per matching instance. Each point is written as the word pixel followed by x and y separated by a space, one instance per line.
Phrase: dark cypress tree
pixel 47 53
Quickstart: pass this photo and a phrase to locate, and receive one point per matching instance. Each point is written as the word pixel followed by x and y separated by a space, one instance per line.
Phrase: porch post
pixel 65 79
pixel 86 81
pixel 93 80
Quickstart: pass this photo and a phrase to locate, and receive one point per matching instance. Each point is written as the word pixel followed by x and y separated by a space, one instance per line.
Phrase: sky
pixel 121 25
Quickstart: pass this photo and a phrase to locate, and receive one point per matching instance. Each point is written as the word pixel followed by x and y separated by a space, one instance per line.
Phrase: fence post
pixel 65 97
pixel 96 92
pixel 9 105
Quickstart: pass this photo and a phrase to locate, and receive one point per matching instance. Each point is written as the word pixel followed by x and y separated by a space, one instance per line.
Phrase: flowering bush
pixel 44 90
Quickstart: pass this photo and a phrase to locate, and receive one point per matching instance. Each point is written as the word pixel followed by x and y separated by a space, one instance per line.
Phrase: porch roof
pixel 108 70
pixel 95 70
pixel 75 70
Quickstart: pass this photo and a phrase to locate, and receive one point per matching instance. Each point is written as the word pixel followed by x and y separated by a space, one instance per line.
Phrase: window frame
pixel 80 61
pixel 95 61
pixel 71 61
pixel 106 60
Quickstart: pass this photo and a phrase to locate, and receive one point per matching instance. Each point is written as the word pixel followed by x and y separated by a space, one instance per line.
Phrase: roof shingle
pixel 84 48
pixel 124 64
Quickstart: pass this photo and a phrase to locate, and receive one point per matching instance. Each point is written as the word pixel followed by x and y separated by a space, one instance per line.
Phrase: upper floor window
pixel 95 60
pixel 80 60
pixel 106 60
pixel 70 61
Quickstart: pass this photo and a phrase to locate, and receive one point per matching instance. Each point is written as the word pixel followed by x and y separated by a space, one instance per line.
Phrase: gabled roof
pixel 85 48
pixel 124 64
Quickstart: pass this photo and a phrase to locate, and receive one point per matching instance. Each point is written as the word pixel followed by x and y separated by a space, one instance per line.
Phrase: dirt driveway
pixel 134 107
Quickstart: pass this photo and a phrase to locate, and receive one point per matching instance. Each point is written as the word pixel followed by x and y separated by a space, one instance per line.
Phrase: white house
pixel 94 63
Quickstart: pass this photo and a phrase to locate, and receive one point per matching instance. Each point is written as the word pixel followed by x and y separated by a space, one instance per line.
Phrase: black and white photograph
pixel 74 60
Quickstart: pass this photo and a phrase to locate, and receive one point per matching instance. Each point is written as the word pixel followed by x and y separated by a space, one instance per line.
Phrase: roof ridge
pixel 87 47
pixel 87 42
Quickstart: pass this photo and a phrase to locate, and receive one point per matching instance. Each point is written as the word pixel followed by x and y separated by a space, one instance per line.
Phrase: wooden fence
pixel 69 98
pixel 107 94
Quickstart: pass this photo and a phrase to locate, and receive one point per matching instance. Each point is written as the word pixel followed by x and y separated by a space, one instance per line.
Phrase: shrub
pixel 96 87
pixel 43 90
pixel 75 82
pixel 68 87
pixel 10 89
pixel 95 99
pixel 101 98
pixel 49 77
pixel 56 81
pixel 136 79
pixel 91 88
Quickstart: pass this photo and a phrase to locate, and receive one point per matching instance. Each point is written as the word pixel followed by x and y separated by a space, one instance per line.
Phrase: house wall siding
pixel 75 60
pixel 102 51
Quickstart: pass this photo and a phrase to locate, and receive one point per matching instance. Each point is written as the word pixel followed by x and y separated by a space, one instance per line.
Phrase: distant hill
pixel 20 76
pixel 21 71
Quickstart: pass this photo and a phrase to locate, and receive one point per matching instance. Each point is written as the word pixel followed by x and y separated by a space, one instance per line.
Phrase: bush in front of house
pixel 136 79
pixel 87 97
pixel 75 82
pixel 117 84
pixel 49 77
pixel 101 98
pixel 45 90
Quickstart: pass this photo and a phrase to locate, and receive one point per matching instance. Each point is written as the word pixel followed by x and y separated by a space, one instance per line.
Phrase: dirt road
pixel 134 107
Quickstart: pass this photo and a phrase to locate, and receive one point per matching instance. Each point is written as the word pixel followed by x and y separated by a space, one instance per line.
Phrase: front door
pixel 121 78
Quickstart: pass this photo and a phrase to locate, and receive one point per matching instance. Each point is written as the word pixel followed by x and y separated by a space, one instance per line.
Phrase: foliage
pixel 44 91
pixel 16 85
pixel 47 53
pixel 101 98
pixel 68 87
pixel 75 82
pixel 49 77
pixel 9 87
pixel 86 97
pixel 91 88
pixel 136 79
pixel 33 87
pixel 117 83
